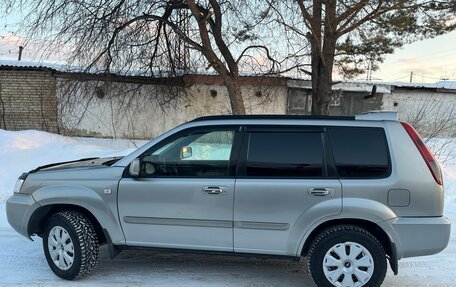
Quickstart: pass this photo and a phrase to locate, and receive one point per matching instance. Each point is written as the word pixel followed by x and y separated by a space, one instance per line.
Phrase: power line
pixel 406 76
pixel 432 56
pixel 405 66
pixel 442 71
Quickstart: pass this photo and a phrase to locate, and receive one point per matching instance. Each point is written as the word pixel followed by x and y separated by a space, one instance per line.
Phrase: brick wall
pixel 27 100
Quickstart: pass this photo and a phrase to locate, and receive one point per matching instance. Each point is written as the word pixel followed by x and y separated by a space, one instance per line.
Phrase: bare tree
pixel 2 110
pixel 112 104
pixel 435 120
pixel 154 38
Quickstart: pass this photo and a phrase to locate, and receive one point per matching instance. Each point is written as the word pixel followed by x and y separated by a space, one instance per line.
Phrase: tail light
pixel 427 155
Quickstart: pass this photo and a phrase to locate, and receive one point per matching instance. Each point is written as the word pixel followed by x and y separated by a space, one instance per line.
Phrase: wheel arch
pixel 42 214
pixel 102 209
pixel 373 228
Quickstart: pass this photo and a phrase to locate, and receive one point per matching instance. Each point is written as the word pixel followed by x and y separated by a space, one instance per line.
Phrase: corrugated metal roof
pixel 360 87
pixel 451 85
pixel 12 64
pixel 28 65
pixel 354 86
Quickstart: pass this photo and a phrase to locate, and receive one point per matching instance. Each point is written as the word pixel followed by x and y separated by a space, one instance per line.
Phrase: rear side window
pixel 284 154
pixel 360 152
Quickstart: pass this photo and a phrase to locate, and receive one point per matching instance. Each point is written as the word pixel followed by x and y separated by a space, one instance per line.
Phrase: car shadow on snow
pixel 186 269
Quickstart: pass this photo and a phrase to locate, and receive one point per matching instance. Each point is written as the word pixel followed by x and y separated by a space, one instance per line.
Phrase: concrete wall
pixel 27 100
pixel 430 112
pixel 39 99
pixel 145 111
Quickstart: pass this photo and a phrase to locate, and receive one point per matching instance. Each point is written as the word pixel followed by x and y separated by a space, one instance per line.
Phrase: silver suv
pixel 349 193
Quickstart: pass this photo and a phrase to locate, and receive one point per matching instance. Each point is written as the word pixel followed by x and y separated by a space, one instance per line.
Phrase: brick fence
pixel 27 100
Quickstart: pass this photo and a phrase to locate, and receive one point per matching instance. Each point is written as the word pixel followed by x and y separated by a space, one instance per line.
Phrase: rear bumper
pixel 419 236
pixel 19 209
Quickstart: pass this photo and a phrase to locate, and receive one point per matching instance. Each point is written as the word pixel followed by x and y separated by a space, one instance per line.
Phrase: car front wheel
pixel 345 256
pixel 70 245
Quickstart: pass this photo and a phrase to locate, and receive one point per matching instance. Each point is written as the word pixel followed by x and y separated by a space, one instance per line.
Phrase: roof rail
pixel 378 116
pixel 372 116
pixel 272 117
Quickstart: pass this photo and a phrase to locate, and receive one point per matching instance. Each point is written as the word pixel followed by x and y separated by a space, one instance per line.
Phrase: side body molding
pixel 353 209
pixel 104 210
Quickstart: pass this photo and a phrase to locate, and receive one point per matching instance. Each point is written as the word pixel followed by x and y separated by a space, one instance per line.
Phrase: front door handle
pixel 214 189
pixel 319 191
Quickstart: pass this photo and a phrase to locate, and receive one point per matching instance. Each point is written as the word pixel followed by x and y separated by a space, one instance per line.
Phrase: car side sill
pixel 207 252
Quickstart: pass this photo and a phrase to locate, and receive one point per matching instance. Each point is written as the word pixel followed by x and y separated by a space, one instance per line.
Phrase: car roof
pixel 370 116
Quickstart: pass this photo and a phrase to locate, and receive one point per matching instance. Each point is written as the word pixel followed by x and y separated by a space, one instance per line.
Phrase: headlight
pixel 17 187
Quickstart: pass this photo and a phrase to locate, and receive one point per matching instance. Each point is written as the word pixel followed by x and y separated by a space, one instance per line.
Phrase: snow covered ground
pixel 22 262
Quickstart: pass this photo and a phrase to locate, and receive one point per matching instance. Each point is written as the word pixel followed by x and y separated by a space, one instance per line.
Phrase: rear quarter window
pixel 360 152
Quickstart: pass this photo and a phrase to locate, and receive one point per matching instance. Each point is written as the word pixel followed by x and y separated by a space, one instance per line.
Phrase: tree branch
pixel 351 12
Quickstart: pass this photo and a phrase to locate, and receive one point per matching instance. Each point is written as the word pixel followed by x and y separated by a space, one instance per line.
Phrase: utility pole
pixel 411 76
pixel 369 70
pixel 19 57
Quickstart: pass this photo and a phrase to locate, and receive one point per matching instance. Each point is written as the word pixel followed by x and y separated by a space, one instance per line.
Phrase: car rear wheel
pixel 347 255
pixel 70 245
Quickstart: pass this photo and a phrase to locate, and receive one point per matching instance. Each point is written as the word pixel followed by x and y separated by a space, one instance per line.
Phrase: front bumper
pixel 419 236
pixel 19 209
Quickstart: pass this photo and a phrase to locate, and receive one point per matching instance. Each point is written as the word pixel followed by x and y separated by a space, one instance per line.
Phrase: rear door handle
pixel 214 189
pixel 319 191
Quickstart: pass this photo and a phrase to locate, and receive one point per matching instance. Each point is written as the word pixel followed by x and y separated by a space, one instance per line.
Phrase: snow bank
pixel 25 150
pixel 445 148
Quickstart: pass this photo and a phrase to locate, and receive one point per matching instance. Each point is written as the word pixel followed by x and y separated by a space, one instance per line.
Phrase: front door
pixel 184 196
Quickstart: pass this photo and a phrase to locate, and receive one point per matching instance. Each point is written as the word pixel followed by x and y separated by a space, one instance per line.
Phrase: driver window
pixel 204 154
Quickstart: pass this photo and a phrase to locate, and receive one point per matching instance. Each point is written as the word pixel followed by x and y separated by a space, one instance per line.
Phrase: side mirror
pixel 186 152
pixel 135 167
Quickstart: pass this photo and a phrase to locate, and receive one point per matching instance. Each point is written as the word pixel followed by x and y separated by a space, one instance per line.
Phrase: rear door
pixel 286 181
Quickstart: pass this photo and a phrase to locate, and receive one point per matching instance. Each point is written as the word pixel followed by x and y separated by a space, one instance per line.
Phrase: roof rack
pixel 373 116
pixel 272 117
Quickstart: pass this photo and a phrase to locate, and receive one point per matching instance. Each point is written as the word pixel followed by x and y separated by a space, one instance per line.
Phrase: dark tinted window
pixel 287 154
pixel 359 152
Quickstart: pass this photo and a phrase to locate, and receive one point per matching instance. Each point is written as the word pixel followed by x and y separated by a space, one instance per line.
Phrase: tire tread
pixel 87 237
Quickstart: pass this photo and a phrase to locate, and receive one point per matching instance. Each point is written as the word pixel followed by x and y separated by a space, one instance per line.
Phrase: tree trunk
pixel 323 53
pixel 321 84
pixel 235 94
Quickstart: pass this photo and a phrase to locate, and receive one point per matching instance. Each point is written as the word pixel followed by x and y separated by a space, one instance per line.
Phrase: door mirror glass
pixel 186 152
pixel 149 168
pixel 135 167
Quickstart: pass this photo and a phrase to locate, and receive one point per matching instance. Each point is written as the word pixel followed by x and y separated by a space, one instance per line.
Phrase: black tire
pixel 341 234
pixel 84 239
